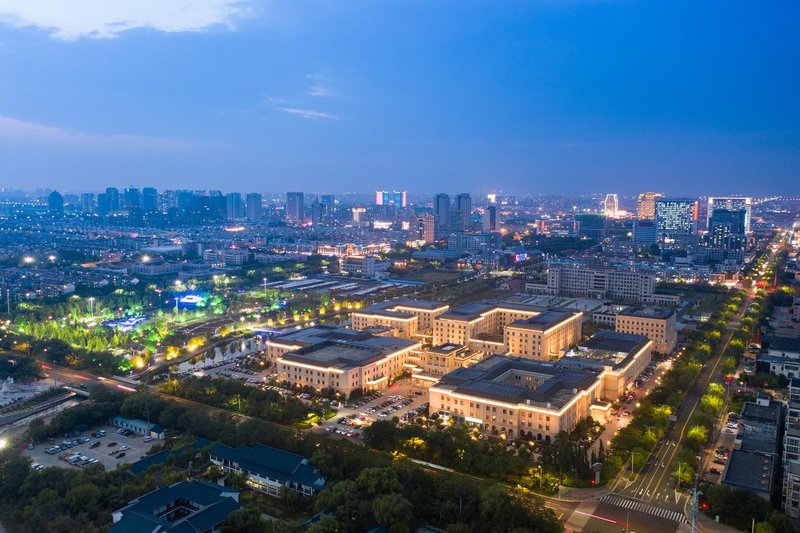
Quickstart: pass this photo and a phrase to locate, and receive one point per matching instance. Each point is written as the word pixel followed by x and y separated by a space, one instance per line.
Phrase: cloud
pixel 73 19
pixel 309 113
pixel 12 129
pixel 319 88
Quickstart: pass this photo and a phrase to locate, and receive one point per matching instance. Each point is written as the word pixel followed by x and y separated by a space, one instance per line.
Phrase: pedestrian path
pixel 633 505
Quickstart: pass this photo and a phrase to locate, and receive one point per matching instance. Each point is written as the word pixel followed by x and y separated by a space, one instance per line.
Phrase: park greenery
pixel 367 488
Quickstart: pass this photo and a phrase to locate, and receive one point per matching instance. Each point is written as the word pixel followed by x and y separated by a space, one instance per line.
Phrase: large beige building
pixel 646 209
pixel 517 396
pixel 657 324
pixel 342 359
pixel 501 327
pixel 429 365
pixel 406 317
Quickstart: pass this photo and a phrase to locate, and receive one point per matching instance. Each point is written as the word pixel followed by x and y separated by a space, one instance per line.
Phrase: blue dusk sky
pixel 547 96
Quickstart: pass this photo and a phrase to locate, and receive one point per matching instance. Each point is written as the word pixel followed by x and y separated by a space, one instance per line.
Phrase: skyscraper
pixel 149 200
pixel 112 199
pixel 295 210
pixel 317 210
pixel 489 218
pixel 234 206
pixel 132 198
pixel 611 206
pixel 426 228
pixel 675 217
pixel 441 208
pixel 393 198
pixel 730 203
pixel 646 209
pixel 328 202
pixel 727 229
pixel 253 207
pixel 464 207
pixel 88 203
pixel 591 225
pixel 55 203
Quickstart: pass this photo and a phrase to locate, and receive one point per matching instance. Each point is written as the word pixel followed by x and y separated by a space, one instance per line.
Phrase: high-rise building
pixel 646 209
pixel 730 203
pixel 727 229
pixel 112 199
pixel 441 208
pixel 426 228
pixel 295 210
pixel 55 203
pixel 328 202
pixel 645 231
pixel 253 207
pixel 491 198
pixel 591 226
pixel 149 200
pixel 132 198
pixel 391 198
pixel 234 206
pixel 464 207
pixel 317 211
pixel 489 218
pixel 611 206
pixel 88 203
pixel 358 214
pixel 675 217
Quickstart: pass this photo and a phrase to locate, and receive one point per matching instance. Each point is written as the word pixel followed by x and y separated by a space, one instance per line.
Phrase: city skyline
pixel 529 97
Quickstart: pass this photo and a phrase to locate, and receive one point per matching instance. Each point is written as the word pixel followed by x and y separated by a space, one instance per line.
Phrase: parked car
pixel 112 443
pixel 94 444
pixel 715 471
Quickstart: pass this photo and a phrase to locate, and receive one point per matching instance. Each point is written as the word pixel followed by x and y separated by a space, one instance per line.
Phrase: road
pixel 654 493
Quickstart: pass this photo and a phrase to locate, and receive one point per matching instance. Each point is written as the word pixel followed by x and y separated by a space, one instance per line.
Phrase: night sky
pixel 561 96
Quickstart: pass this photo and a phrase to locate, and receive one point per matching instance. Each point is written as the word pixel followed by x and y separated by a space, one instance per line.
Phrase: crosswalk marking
pixel 644 508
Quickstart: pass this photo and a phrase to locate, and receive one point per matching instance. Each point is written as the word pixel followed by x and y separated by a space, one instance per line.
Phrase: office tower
pixel 611 206
pixel 645 231
pixel 675 217
pixel 464 206
pixel 132 198
pixel 149 200
pixel 591 226
pixel 253 207
pixel 185 199
pixel 112 199
pixel 426 228
pixel 233 202
pixel 441 208
pixel 88 203
pixel 491 198
pixel 730 203
pixel 316 213
pixel 396 199
pixel 490 218
pixel 55 203
pixel 646 209
pixel 102 204
pixel 727 229
pixel 328 202
pixel 358 213
pixel 295 210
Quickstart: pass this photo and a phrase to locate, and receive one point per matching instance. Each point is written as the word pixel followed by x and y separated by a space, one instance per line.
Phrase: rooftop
pixel 187 506
pixel 783 344
pixel 606 348
pixel 341 348
pixel 754 411
pixel 519 381
pixel 271 462
pixel 752 471
pixel 648 312
pixel 473 310
pixel 546 319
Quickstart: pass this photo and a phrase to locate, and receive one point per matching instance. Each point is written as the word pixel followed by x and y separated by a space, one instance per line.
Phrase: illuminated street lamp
pixel 28 260
pixel 91 306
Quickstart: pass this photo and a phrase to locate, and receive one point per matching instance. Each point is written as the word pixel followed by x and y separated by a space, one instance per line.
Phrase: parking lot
pixel 108 452
pixel 401 400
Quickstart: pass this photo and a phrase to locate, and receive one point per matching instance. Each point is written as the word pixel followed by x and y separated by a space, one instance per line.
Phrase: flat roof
pixel 641 311
pixel 753 471
pixel 389 308
pixel 546 319
pixel 784 344
pixel 605 348
pixel 342 348
pixel 765 413
pixel 499 378
pixel 474 310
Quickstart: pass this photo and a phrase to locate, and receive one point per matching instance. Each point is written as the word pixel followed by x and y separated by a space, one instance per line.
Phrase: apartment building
pixel 406 317
pixel 518 396
pixel 502 327
pixel 657 324
pixel 342 359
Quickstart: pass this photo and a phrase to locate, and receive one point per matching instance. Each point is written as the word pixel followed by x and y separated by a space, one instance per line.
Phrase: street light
pixel 91 306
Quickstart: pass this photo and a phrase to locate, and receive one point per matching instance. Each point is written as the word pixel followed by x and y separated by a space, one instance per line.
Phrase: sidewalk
pixel 573 494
